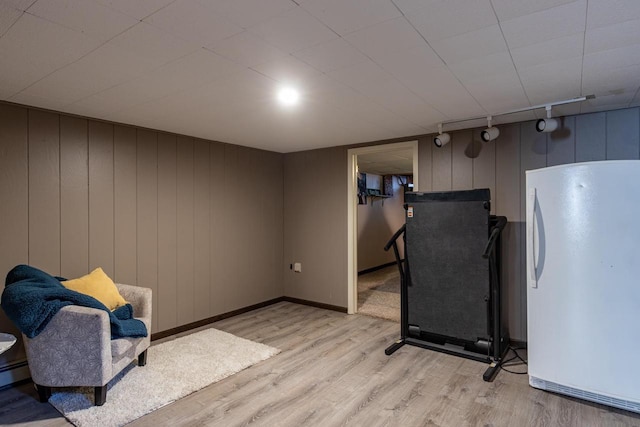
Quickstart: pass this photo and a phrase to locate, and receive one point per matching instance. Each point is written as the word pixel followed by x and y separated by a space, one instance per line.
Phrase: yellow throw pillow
pixel 98 285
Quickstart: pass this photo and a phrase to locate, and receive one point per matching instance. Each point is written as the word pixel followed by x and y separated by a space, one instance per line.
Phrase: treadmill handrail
pixel 395 237
pixel 493 237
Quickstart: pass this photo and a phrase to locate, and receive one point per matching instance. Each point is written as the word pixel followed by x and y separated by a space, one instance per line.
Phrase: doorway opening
pixel 396 160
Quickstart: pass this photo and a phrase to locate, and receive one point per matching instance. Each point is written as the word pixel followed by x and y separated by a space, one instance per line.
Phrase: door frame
pixel 352 209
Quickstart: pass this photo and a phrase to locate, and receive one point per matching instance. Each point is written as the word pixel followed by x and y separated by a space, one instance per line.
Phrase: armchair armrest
pixel 74 347
pixel 140 300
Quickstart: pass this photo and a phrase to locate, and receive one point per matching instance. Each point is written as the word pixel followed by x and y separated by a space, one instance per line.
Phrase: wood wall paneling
pixel 236 177
pixel 623 134
pixel 507 203
pixel 202 218
pixel 185 214
pixel 484 165
pixel 74 197
pixel 14 205
pixel 461 160
pixel 561 144
pixel 44 191
pixel 591 137
pixel 147 215
pixel 425 164
pixel 508 173
pixel 167 233
pixel 533 155
pixel 218 287
pixel 14 188
pixel 441 168
pixel 125 204
pixel 101 197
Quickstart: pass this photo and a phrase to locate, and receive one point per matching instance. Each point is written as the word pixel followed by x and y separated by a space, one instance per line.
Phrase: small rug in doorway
pixel 379 294
pixel 174 369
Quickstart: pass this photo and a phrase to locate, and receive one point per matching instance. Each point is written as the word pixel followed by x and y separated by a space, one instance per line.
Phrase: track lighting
pixel 442 138
pixel 490 133
pixel 548 124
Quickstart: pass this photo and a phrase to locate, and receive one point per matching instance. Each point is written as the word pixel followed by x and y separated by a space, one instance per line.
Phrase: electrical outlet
pixel 297 267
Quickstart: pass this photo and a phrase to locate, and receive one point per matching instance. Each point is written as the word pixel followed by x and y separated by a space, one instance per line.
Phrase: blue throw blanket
pixel 32 297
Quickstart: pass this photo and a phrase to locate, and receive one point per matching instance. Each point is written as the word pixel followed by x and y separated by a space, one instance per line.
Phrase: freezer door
pixel 583 270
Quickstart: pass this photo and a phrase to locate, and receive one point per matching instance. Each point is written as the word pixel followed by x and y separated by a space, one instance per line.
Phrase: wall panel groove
pixel 151 208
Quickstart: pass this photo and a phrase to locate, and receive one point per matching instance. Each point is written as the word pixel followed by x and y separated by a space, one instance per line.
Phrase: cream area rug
pixel 174 369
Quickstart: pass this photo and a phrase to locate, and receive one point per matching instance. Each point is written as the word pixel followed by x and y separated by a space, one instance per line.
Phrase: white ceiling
pixel 367 69
pixel 399 162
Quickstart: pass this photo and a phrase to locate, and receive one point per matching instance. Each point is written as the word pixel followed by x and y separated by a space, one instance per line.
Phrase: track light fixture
pixel 543 125
pixel 490 133
pixel 548 124
pixel 442 138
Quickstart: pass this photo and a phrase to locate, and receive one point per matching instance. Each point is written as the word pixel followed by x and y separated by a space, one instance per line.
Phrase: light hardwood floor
pixel 332 371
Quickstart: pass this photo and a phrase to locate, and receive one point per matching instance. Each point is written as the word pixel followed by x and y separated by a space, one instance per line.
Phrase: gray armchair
pixel 76 349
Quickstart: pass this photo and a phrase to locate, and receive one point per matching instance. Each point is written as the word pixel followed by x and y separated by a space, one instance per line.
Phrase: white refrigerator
pixel 583 281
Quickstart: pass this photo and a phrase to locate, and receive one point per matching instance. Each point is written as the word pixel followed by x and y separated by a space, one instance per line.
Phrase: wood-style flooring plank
pixel 332 371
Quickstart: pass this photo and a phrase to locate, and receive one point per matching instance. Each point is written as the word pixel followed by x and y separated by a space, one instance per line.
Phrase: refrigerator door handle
pixel 531 253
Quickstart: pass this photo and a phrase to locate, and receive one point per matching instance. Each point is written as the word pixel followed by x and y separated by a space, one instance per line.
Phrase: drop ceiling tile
pixel 442 19
pixel 19 4
pixel 545 25
pixel 247 13
pixel 352 104
pixel 483 66
pixel 113 99
pixel 613 58
pixel 151 42
pixel 331 55
pixel 389 37
pixel 410 66
pixel 138 9
pixel 509 9
pixel 293 30
pixel 549 51
pixel 101 69
pixel 8 16
pixel 5 93
pixel 192 21
pixel 440 88
pixel 612 36
pixel 386 91
pixel 192 70
pixel 87 17
pixel 246 49
pixel 407 6
pixel 473 44
pixel 498 92
pixel 346 16
pixel 590 108
pixel 611 81
pixel 553 81
pixel 34 47
pixel 612 101
pixel 290 71
pixel 607 12
pixel 226 95
pixel 37 101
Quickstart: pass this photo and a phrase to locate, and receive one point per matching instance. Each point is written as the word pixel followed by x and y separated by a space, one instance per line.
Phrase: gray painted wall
pixel 315 225
pixel 199 222
pixel 377 221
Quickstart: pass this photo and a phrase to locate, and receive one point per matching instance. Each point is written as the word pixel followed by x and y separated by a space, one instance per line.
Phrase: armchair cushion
pixel 31 298
pixel 98 285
